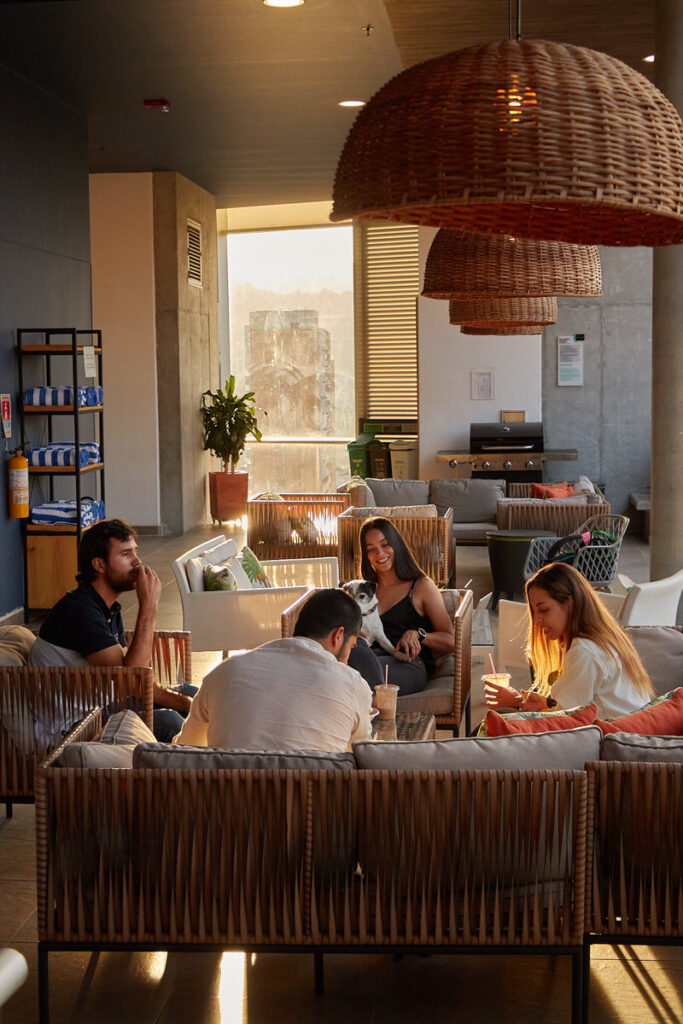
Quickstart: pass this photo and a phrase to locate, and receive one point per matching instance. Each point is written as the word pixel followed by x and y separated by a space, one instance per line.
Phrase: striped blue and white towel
pixel 91 447
pixel 87 396
pixel 52 513
pixel 64 456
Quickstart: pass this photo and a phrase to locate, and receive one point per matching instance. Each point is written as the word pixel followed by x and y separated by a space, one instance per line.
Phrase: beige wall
pixel 186 343
pixel 122 246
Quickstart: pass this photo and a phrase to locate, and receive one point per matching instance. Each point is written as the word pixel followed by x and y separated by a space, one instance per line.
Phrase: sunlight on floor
pixel 155 966
pixel 232 987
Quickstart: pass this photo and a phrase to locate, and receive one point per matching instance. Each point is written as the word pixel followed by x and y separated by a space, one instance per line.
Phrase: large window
pixel 292 344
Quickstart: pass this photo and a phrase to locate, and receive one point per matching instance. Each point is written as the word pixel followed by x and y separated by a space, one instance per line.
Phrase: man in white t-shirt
pixel 291 694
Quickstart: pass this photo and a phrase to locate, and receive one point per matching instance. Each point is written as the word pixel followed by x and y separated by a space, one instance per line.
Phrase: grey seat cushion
pixel 472 501
pixel 399 492
pixel 630 746
pixel 465 532
pixel 567 749
pixel 437 696
pixel 661 652
pixel 171 755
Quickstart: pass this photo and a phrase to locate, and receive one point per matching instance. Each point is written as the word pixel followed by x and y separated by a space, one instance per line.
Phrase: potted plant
pixel 227 421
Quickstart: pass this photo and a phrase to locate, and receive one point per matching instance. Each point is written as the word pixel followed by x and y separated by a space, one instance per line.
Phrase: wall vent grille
pixel 194 253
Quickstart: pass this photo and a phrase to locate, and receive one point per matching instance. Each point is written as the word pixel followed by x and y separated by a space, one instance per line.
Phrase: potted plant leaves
pixel 227 422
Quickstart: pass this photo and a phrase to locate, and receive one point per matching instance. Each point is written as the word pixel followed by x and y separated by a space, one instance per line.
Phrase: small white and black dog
pixel 365 594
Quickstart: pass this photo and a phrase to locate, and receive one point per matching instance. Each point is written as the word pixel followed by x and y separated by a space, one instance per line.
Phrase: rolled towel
pixel 65 456
pixel 52 513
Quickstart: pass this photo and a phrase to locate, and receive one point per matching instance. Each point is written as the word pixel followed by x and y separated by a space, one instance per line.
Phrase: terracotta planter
pixel 228 495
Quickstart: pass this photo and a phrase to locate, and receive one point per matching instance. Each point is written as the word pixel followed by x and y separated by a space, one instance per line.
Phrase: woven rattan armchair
pixel 597 564
pixel 39 705
pixel 429 538
pixel 634 878
pixel 447 694
pixel 519 511
pixel 299 526
pixel 171 656
pixel 490 862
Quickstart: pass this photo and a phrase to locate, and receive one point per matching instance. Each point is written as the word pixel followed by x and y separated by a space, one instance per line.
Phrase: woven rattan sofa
pixel 38 705
pixel 329 860
pixel 298 526
pixel 447 694
pixel 429 537
pixel 519 511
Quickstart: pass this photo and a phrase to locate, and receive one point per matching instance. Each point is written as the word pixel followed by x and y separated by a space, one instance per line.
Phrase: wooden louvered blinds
pixel 386 354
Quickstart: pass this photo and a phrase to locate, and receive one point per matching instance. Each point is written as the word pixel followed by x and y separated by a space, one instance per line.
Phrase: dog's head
pixel 364 592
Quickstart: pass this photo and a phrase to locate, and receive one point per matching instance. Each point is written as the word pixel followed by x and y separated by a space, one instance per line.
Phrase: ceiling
pixel 254 90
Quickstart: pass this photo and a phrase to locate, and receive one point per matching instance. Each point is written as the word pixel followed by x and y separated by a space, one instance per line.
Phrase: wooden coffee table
pixel 408 725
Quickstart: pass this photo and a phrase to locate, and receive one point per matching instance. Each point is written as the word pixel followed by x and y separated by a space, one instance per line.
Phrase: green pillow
pixel 219 579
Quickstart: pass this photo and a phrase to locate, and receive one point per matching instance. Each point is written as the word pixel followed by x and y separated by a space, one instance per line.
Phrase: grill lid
pixel 503 437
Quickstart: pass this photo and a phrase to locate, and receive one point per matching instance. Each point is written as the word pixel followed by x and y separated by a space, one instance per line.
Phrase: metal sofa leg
pixel 319 969
pixel 585 1014
pixel 577 984
pixel 43 985
pixel 468 714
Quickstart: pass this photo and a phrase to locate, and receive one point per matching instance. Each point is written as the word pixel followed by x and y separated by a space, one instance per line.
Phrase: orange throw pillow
pixel 665 719
pixel 563 490
pixel 498 725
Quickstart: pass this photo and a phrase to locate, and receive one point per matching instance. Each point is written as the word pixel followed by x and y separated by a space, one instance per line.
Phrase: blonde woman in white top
pixel 578 651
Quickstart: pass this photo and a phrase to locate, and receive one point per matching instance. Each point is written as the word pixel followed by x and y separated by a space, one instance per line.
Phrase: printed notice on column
pixel 570 360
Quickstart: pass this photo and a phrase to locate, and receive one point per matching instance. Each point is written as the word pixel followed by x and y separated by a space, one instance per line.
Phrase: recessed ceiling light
pixel 650 59
pixel 351 103
pixel 283 3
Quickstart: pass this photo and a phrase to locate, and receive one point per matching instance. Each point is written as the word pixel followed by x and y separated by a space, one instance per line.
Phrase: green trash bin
pixel 359 454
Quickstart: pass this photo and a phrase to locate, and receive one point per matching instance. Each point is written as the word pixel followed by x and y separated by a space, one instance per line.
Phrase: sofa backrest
pixel 661 652
pixel 472 501
pixel 398 492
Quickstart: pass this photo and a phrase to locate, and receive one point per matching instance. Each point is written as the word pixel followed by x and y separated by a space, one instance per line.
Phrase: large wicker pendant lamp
pixel 494 330
pixel 462 264
pixel 530 138
pixel 525 312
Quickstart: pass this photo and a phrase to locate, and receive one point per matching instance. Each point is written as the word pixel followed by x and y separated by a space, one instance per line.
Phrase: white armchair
pixel 654 603
pixel 238 619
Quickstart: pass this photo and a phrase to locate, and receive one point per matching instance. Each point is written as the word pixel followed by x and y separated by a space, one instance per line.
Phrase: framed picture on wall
pixel 482 384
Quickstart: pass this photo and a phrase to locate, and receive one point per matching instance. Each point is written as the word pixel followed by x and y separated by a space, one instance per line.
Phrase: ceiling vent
pixel 194 253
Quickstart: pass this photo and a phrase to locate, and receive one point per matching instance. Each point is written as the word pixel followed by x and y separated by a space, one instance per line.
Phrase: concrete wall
pixel 187 345
pixel 445 359
pixel 44 253
pixel 122 242
pixel 608 419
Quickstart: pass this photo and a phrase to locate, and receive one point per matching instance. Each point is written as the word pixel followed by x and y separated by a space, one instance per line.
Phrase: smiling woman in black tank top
pixel 413 614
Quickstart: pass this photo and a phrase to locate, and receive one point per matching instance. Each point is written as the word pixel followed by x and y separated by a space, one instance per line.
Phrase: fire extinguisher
pixel 18 485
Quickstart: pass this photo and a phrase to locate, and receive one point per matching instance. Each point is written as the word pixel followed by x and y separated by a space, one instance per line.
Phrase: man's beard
pixel 119 581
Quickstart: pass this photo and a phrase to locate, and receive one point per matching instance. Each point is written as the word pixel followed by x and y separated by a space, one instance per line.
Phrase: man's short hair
pixel 327 610
pixel 96 543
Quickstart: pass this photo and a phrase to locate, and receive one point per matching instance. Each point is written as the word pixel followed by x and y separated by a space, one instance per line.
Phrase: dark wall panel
pixel 44 252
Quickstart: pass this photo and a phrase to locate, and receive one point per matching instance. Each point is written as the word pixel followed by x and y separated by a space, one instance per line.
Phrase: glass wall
pixel 291 343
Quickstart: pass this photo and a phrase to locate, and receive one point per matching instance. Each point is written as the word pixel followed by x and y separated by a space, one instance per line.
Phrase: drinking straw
pixel 386 675
pixel 493 667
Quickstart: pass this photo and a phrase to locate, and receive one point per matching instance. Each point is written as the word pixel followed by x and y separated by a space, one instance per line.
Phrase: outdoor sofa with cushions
pixel 38 705
pixel 473 503
pixel 294 525
pixel 210 850
pixel 447 694
pixel 227 620
pixel 519 511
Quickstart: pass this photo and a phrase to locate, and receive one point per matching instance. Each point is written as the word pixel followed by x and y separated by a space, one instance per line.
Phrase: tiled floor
pixel 630 985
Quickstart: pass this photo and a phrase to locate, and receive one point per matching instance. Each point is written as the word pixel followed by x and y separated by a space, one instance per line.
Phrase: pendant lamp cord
pixel 518 34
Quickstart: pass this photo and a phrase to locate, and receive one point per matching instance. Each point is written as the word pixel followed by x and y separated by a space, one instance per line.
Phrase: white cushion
pixel 125 728
pixel 96 755
pixel 395 511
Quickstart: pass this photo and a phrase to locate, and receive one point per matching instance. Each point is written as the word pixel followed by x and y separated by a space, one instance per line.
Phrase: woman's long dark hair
pixel 405 566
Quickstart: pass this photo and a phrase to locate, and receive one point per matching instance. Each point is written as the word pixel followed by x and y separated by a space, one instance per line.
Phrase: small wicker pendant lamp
pixel 500 329
pixel 462 264
pixel 525 312
pixel 530 138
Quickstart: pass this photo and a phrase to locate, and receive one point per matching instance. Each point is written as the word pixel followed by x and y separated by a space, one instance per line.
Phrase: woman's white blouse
pixel 589 675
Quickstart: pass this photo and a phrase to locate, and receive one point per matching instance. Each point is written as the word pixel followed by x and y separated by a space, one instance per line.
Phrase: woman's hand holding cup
pixel 498 693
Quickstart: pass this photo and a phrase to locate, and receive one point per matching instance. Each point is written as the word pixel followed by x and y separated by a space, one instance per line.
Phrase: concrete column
pixel 666 552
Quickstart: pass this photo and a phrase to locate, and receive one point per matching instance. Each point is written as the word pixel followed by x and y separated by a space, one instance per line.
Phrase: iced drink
pixel 491 683
pixel 385 699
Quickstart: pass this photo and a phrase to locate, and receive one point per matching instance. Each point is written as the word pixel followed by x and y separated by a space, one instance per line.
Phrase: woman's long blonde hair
pixel 588 618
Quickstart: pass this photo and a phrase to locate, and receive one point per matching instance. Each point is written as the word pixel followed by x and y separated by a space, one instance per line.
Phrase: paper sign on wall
pixel 6 404
pixel 570 360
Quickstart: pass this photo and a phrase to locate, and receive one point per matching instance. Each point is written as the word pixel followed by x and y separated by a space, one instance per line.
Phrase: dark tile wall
pixel 44 253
